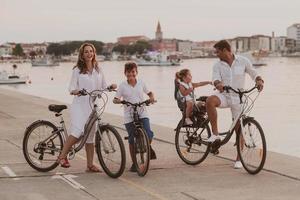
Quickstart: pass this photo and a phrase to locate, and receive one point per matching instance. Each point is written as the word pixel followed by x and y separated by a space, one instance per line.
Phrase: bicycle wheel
pixel 251 147
pixel 110 150
pixel 189 143
pixel 141 152
pixel 41 145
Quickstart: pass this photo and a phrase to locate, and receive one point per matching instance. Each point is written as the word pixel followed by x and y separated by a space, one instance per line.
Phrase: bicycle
pixel 43 141
pixel 190 141
pixel 141 145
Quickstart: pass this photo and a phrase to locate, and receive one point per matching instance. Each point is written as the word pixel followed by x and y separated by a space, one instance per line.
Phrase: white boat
pixel 256 59
pixel 157 59
pixel 6 78
pixel 45 61
pixel 156 63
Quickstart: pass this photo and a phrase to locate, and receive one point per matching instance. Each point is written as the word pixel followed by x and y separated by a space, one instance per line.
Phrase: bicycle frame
pixel 136 119
pixel 94 116
pixel 240 119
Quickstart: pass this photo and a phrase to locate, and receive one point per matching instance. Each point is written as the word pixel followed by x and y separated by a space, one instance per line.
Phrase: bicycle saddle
pixel 57 108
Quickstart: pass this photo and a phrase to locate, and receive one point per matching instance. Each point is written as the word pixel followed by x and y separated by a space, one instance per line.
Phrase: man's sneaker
pixel 152 154
pixel 133 168
pixel 213 138
pixel 188 121
pixel 238 165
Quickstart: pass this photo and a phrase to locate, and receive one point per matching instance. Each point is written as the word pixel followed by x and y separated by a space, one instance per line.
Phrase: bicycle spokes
pixel 252 146
pixel 110 150
pixel 42 145
pixel 189 144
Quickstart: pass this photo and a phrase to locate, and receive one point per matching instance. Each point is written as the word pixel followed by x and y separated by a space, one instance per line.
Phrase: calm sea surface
pixel 277 108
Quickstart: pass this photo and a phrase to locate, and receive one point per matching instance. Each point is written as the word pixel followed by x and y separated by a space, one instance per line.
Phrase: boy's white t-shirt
pixel 133 95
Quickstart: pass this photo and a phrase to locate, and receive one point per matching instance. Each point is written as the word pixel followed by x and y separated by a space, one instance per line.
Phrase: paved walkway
pixel 168 177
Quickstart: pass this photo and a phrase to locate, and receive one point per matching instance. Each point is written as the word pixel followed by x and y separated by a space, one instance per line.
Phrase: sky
pixel 106 20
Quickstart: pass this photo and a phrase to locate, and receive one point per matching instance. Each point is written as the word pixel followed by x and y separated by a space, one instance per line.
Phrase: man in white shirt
pixel 230 70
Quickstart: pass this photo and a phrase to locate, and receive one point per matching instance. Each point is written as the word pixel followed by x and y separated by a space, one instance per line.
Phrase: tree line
pixel 136 48
pixel 67 48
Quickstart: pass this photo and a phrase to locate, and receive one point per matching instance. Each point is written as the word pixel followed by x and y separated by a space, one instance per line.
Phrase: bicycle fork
pixel 246 133
pixel 109 142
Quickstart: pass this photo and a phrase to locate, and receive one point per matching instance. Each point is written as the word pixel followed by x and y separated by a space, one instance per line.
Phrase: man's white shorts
pixel 230 101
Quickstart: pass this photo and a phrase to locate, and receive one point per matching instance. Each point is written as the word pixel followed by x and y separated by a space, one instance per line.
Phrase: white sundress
pixel 80 108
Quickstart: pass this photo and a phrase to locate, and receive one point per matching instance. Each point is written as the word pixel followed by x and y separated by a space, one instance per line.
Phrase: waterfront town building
pixel 185 47
pixel 158 33
pixel 38 48
pixel 161 44
pixel 260 43
pixel 203 49
pixel 127 40
pixel 253 43
pixel 5 50
pixel 293 32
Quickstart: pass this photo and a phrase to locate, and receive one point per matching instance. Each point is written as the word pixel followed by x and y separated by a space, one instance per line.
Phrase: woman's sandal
pixel 63 162
pixel 92 168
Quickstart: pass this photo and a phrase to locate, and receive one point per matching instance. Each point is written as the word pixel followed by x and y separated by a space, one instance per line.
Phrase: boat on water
pixel 157 59
pixel 45 61
pixel 255 58
pixel 156 63
pixel 295 55
pixel 7 78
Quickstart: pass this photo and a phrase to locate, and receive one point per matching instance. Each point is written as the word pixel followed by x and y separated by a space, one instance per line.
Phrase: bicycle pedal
pixel 215 147
pixel 41 157
pixel 216 152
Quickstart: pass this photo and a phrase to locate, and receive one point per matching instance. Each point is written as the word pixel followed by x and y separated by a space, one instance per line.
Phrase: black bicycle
pixel 141 145
pixel 43 141
pixel 191 143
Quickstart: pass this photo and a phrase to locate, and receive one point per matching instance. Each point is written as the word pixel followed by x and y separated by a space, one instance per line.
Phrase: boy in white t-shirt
pixel 186 91
pixel 133 90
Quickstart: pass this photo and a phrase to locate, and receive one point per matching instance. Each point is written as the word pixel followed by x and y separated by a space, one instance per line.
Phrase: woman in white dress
pixel 86 75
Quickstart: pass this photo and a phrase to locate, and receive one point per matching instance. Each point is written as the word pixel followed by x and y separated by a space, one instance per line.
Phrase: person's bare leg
pixel 71 140
pixel 189 109
pixel 212 103
pixel 89 148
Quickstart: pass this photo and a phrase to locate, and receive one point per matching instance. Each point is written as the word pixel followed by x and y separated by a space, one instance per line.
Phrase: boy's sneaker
pixel 213 138
pixel 238 165
pixel 133 168
pixel 188 121
pixel 152 154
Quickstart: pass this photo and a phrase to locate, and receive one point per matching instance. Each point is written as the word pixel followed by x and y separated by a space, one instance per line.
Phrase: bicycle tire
pixel 141 150
pixel 36 163
pixel 100 146
pixel 262 152
pixel 188 141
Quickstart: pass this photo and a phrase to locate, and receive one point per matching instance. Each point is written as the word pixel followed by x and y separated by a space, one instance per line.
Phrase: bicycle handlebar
pixel 84 92
pixel 239 92
pixel 140 104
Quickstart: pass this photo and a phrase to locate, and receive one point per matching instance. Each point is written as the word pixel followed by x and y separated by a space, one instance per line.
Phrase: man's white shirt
pixel 234 75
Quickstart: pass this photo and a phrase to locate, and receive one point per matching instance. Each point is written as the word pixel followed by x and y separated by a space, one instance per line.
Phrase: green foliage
pixel 120 48
pixel 67 48
pixel 18 50
pixel 137 48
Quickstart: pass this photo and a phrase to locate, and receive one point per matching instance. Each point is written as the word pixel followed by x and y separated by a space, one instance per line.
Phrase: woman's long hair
pixel 81 62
